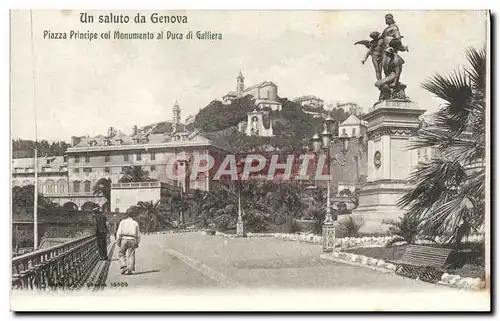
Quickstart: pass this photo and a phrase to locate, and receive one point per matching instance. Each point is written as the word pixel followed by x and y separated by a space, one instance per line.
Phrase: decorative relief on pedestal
pixel 377 159
pixel 392 131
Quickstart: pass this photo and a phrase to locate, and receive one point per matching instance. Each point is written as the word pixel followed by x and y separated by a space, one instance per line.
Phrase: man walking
pixel 128 237
pixel 101 233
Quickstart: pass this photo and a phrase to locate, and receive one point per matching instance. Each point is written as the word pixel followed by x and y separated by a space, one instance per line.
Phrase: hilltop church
pixel 265 93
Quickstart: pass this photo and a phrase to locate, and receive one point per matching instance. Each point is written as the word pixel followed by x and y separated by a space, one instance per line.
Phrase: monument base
pixel 378 203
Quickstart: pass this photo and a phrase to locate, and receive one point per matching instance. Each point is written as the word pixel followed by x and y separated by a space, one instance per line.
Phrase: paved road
pixel 195 260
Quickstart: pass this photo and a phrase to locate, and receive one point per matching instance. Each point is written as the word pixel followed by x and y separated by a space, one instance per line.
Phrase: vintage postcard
pixel 250 160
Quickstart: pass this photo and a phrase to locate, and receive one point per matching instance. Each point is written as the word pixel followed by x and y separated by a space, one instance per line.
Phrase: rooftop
pixel 306 97
pixel 262 84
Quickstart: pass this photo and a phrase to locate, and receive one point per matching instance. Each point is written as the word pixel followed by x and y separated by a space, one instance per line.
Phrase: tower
pixel 240 85
pixel 177 113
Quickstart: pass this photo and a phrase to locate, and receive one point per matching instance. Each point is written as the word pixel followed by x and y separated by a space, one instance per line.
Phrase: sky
pixel 84 87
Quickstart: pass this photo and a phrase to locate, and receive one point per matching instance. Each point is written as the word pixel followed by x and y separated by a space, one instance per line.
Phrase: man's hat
pixel 132 211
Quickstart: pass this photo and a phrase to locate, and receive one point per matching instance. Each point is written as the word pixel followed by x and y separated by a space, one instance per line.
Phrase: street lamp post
pixel 184 168
pixel 239 222
pixel 323 141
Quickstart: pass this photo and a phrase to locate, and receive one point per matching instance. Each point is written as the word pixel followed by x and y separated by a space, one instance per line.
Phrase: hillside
pixel 26 148
pixel 292 127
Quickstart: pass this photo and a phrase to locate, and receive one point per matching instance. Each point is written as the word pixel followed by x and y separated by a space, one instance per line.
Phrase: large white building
pixel 69 180
pixel 309 100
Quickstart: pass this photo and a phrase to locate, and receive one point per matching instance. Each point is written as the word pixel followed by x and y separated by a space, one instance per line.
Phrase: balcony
pixel 136 185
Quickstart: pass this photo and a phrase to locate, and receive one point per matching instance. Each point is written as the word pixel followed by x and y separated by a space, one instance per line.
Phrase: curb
pixel 389 271
pixel 334 259
pixel 174 232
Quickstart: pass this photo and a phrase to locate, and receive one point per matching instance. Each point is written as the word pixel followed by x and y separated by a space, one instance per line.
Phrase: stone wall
pixel 51 223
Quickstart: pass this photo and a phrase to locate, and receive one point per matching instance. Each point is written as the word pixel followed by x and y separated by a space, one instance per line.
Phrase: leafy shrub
pixel 405 230
pixel 351 226
pixel 318 214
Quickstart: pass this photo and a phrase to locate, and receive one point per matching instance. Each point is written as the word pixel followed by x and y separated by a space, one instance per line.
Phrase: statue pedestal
pixel 392 124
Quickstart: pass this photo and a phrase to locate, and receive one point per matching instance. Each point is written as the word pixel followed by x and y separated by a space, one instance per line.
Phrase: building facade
pixel 351 108
pixel 352 127
pixel 157 148
pixel 155 153
pixel 309 100
pixel 265 93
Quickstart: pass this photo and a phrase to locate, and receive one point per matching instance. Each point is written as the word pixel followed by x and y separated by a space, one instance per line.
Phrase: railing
pixel 136 184
pixel 65 266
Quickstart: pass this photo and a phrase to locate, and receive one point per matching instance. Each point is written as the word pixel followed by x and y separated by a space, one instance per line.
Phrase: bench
pixel 424 262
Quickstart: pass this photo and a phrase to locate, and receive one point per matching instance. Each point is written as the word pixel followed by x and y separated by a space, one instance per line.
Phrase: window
pixel 87 170
pixel 153 156
pixel 106 158
pixel 106 169
pixel 87 159
pixel 139 156
pixel 354 132
pixel 61 186
pixel 125 168
pixel 76 186
pixel 125 157
pixel 153 168
pixel 86 186
pixel 77 159
pixel 65 159
pixel 50 187
pixel 48 161
pixel 76 170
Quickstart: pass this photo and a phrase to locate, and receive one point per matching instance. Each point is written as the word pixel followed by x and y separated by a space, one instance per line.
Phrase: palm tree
pixel 448 194
pixel 134 174
pixel 286 201
pixel 103 188
pixel 221 206
pixel 153 216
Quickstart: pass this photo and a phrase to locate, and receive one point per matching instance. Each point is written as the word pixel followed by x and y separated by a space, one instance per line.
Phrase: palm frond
pixel 477 71
pixel 457 94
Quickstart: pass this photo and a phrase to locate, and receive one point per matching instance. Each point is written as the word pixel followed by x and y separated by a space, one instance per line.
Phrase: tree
pixel 286 202
pixel 26 148
pixel 221 206
pixel 134 174
pixel 23 199
pixel 153 216
pixel 217 116
pixel 448 194
pixel 103 188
